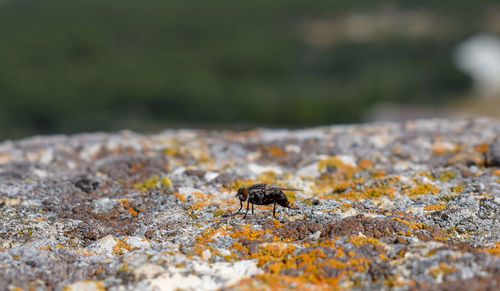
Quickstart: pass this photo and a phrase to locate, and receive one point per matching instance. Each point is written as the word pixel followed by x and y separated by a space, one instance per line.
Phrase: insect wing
pixel 274 187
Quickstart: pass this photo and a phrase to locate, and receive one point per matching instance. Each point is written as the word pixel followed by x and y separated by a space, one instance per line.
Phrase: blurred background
pixel 93 65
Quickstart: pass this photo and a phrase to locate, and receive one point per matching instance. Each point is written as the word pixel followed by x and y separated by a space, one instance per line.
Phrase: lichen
pixel 435 207
pixel 447 176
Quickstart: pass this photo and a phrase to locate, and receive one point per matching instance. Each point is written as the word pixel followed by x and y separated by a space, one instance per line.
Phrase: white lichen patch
pixel 309 171
pixel 136 242
pixel 148 271
pixel 85 286
pixel 348 160
pixel 205 276
pixel 104 246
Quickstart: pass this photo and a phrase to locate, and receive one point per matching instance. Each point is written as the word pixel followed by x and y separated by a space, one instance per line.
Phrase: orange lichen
pixel 378 173
pixel 180 196
pixel 85 253
pixel 442 269
pixel 273 150
pixel 207 235
pixel 494 250
pixel 246 232
pixel 365 164
pixel 421 189
pixel 359 240
pixel 280 282
pixel 441 149
pixel 275 252
pixel 482 148
pixel 238 246
pixel 345 206
pixel 128 207
pixel 121 247
pixel 313 264
pixel 435 207
pixel 412 224
pixel 277 224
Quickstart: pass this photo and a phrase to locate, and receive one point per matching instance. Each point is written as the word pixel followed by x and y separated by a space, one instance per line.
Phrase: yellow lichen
pixel 218 212
pixel 342 171
pixel 426 174
pixel 447 176
pixel 458 189
pixel 267 177
pixel 153 182
pixel 238 183
pixel 393 281
pixel 173 152
pixel 149 183
pixel 165 181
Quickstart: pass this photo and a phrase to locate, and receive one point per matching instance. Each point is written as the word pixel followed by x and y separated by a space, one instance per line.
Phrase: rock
pixel 403 205
pixel 493 154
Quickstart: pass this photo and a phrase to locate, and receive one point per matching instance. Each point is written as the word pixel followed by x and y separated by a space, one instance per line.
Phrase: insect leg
pixel 248 206
pixel 274 209
pixel 241 206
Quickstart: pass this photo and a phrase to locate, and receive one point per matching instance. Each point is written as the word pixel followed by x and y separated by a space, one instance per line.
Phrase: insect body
pixel 263 194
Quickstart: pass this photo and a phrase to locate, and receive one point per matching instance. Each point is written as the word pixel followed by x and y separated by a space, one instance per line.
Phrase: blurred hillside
pixel 68 66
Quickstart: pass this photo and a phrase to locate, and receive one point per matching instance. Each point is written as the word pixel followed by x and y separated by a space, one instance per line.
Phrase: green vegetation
pixel 70 66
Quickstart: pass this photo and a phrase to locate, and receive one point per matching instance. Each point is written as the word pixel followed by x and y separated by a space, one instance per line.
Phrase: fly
pixel 263 194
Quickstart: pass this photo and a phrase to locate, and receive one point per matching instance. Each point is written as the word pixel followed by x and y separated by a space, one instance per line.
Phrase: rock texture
pixel 411 206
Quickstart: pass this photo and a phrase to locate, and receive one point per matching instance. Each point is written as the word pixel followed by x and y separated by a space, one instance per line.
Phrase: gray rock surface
pixel 402 206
